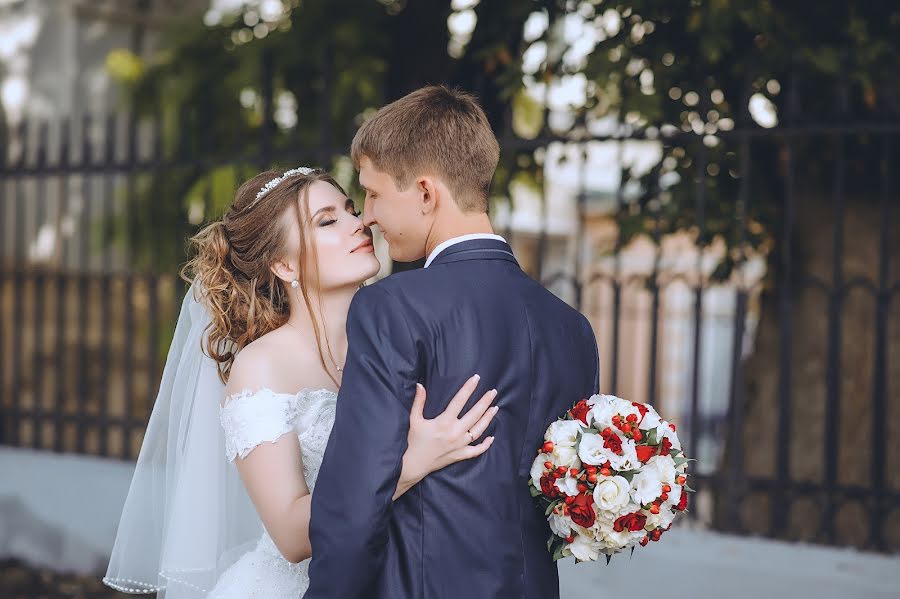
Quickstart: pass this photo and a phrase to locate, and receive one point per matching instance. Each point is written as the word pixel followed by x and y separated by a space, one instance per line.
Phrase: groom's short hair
pixel 438 131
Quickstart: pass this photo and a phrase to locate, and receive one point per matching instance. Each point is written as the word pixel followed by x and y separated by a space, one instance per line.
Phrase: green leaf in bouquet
pixel 651 437
pixel 680 460
pixel 559 552
pixel 687 488
pixel 628 474
pixel 608 557
pixel 550 507
pixel 550 543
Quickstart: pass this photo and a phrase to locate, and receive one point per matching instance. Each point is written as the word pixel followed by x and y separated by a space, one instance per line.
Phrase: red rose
pixel 666 446
pixel 641 408
pixel 582 510
pixel 633 522
pixel 580 411
pixel 683 502
pixel 612 442
pixel 548 487
pixel 645 452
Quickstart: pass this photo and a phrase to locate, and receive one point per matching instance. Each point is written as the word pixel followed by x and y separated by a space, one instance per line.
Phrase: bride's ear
pixel 285 270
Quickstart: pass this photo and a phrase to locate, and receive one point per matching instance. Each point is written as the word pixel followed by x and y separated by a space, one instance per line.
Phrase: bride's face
pixel 338 245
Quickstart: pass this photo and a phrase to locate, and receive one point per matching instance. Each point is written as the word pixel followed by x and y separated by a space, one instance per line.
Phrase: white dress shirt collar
pixel 453 241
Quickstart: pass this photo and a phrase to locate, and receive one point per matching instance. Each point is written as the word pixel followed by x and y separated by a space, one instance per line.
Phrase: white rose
pixel 654 520
pixel 619 540
pixel 629 459
pixel 603 523
pixel 618 402
pixel 674 496
pixel 567 485
pixel 660 520
pixel 537 469
pixel 666 516
pixel 651 420
pixel 560 525
pixel 646 486
pixel 565 456
pixel 602 412
pixel 584 548
pixel 591 450
pixel 563 433
pixel 612 494
pixel 664 466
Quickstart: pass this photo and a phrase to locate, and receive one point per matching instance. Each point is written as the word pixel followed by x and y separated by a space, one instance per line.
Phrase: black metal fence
pixel 93 211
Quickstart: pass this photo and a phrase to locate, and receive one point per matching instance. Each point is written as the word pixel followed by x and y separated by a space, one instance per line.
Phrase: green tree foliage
pixel 683 72
pixel 687 72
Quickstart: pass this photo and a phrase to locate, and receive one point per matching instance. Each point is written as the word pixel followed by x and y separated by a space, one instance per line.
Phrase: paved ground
pixel 58 517
pixel 704 565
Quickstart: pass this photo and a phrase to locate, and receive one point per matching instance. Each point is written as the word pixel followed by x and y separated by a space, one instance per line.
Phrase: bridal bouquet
pixel 610 475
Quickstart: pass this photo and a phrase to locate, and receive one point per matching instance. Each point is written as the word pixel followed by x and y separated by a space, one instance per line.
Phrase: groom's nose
pixel 368 215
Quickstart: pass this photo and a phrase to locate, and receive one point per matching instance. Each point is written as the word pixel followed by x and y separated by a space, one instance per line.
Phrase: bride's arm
pixel 273 472
pixel 273 476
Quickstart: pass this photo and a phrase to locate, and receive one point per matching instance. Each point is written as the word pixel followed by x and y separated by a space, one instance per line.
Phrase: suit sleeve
pixel 351 503
pixel 592 341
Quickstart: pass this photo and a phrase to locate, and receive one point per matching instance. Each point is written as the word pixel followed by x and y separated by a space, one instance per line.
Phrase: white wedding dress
pixel 249 419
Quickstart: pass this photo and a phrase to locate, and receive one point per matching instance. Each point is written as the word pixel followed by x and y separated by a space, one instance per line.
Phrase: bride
pixel 252 378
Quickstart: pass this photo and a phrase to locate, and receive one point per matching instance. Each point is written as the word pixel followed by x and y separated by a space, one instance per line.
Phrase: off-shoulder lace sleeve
pixel 251 418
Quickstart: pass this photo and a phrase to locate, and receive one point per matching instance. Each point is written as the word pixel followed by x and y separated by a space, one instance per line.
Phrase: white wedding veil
pixel 187 516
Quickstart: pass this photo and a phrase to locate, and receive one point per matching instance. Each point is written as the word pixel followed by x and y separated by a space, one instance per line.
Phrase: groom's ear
pixel 428 194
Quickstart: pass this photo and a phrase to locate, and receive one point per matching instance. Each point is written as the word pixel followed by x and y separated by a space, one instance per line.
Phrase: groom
pixel 469 530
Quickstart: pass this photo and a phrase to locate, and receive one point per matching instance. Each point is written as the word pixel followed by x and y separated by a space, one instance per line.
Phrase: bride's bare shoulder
pixel 265 363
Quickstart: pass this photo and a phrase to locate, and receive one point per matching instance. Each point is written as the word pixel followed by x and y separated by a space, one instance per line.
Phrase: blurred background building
pixel 713 183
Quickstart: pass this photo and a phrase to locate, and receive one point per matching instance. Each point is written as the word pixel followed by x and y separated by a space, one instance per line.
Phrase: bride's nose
pixel 360 226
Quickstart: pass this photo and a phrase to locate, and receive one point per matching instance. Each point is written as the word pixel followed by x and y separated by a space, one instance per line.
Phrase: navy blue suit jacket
pixel 470 530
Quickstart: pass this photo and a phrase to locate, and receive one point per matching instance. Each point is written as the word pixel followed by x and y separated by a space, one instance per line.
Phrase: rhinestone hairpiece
pixel 302 170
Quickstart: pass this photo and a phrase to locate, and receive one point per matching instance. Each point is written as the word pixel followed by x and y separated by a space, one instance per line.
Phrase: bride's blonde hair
pixel 232 261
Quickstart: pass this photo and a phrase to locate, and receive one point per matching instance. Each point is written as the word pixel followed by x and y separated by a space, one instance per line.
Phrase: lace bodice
pixel 249 419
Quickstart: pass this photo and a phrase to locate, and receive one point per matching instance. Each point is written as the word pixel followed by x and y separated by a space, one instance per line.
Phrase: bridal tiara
pixel 265 189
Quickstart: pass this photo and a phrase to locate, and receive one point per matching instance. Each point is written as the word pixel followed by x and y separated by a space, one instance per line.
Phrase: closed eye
pixel 349 206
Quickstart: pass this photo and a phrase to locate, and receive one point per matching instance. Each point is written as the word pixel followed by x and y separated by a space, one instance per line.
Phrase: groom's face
pixel 397 213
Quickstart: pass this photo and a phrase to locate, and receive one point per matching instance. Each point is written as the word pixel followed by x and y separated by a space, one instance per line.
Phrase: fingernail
pixel 494 392
pixel 419 385
pixel 477 377
pixel 496 409
pixel 491 439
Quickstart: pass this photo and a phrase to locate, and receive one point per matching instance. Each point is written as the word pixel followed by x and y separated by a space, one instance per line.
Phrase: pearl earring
pixel 295 283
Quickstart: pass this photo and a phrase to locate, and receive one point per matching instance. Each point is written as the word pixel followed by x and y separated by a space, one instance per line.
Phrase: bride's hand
pixel 446 439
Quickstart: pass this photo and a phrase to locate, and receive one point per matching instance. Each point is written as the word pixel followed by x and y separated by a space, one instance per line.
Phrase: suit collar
pixel 476 249
pixel 455 240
